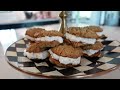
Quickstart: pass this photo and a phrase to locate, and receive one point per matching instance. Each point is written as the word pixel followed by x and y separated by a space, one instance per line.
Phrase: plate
pixel 89 66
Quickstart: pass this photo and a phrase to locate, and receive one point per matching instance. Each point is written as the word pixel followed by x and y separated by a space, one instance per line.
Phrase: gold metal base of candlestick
pixel 63 26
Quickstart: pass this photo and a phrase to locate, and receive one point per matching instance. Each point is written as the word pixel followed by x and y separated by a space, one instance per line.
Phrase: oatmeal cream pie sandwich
pixel 77 37
pixel 97 29
pixel 34 51
pixel 65 56
pixel 93 50
pixel 31 32
pixel 52 38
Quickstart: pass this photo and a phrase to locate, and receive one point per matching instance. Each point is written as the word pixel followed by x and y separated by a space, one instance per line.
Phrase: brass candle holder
pixel 63 26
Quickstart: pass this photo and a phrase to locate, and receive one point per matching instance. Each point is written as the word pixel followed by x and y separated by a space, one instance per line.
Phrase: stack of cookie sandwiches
pixel 98 46
pixel 31 32
pixel 36 52
pixel 65 56
pixel 64 50
pixel 85 38
pixel 40 41
pixel 93 50
pixel 97 29
pixel 77 37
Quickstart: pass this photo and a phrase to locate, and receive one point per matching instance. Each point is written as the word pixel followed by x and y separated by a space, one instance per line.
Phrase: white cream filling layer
pixel 41 55
pixel 46 38
pixel 52 38
pixel 30 38
pixel 65 60
pixel 99 33
pixel 80 39
pixel 90 52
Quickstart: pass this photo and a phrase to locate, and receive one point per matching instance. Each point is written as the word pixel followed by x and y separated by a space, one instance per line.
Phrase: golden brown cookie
pixel 34 48
pixel 93 50
pixel 32 32
pixel 65 56
pixel 97 46
pixel 98 54
pixel 93 28
pixel 67 51
pixel 74 44
pixel 36 53
pixel 96 29
pixel 43 44
pixel 49 33
pixel 80 32
pixel 44 38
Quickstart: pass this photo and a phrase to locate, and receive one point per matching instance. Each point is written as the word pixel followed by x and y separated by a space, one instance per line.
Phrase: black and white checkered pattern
pixel 110 59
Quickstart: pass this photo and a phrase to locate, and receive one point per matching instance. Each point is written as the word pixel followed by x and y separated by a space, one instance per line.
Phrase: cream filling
pixel 65 60
pixel 41 55
pixel 30 38
pixel 99 33
pixel 80 39
pixel 90 52
pixel 52 38
pixel 46 38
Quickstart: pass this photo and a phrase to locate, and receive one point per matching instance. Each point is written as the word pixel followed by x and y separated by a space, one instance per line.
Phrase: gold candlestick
pixel 63 16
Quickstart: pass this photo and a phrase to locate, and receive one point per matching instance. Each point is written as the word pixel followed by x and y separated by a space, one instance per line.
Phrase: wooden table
pixel 7 37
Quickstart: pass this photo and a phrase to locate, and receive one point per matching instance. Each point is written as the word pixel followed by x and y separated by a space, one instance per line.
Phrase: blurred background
pixel 19 19
pixel 110 18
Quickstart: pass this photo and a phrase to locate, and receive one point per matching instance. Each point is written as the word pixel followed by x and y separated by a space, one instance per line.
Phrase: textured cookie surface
pixel 94 28
pixel 98 54
pixel 67 51
pixel 97 46
pixel 77 31
pixel 34 48
pixel 74 44
pixel 34 31
pixel 49 33
pixel 43 44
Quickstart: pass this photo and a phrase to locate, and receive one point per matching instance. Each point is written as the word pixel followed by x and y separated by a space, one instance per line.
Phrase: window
pixel 84 16
pixel 79 16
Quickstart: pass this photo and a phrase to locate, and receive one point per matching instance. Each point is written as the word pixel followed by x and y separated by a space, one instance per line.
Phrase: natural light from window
pixel 85 14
